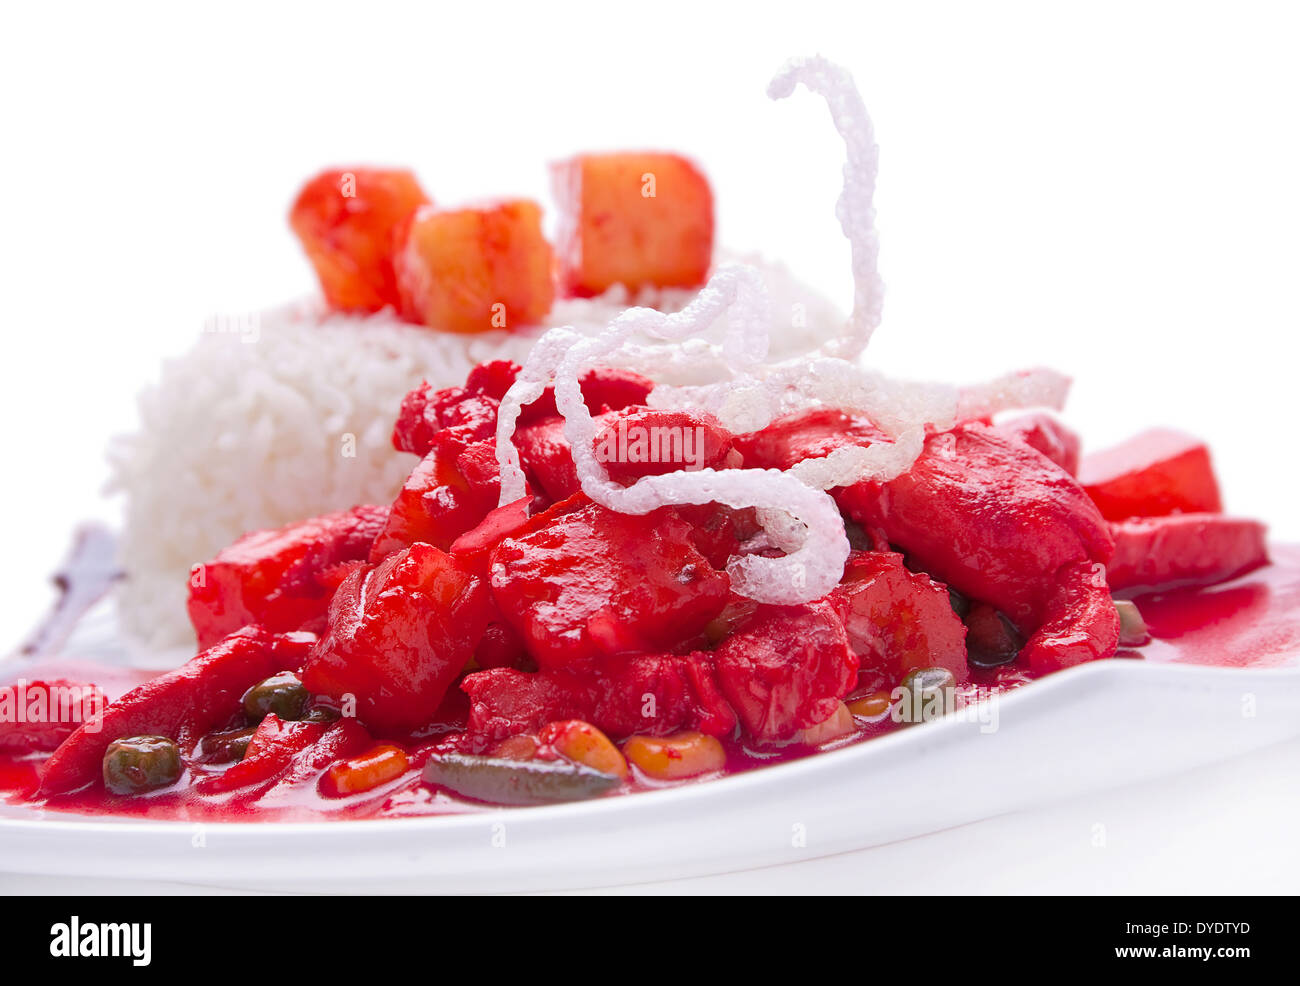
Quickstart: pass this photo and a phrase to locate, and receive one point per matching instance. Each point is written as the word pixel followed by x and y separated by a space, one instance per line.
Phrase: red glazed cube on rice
pixel 639 219
pixel 1153 474
pixel 349 222
pixel 476 269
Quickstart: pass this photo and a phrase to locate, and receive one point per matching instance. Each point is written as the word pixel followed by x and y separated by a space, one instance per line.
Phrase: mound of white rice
pixel 287 415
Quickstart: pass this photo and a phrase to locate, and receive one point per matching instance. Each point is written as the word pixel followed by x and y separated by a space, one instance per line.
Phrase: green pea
pixel 136 764
pixel 225 746
pixel 281 693
pixel 321 713
pixel 929 693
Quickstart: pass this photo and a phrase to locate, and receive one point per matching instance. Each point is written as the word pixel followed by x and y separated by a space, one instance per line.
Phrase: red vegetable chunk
pixel 501 647
pixel 269 753
pixel 283 754
pixel 658 694
pixel 639 219
pixel 1048 436
pixel 897 621
pixel 281 579
pixel 643 441
pixel 476 269
pixel 348 222
pixel 591 583
pixel 40 715
pixel 475 545
pixel 426 414
pixel 182 705
pixel 643 694
pixel 399 633
pixel 449 493
pixel 787 669
pixel 1153 474
pixel 1184 550
pixel 1080 622
pixel 632 442
pixel 469 413
pixel 811 434
pixel 505 702
pixel 604 388
pixel 989 516
pixel 547 458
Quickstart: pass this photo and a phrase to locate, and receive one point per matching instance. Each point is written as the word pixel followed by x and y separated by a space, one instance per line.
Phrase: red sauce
pixel 1250 622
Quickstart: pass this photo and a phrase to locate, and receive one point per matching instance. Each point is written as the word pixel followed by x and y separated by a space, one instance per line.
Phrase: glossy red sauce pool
pixel 1250 622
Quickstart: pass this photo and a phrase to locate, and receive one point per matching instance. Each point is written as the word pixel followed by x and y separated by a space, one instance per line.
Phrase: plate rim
pixel 1090 675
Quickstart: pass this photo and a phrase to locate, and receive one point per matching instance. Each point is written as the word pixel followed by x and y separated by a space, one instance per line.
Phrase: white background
pixel 1110 189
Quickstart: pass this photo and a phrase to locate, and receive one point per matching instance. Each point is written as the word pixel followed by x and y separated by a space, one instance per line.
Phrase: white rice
pixel 288 415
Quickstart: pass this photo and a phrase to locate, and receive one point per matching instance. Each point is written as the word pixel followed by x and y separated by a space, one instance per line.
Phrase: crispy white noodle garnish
pixel 797 514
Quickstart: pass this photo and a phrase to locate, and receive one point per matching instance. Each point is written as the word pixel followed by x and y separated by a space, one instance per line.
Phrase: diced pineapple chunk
pixel 476 269
pixel 636 218
pixel 349 221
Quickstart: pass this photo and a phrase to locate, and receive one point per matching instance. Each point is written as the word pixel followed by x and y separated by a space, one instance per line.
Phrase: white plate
pixel 1086 729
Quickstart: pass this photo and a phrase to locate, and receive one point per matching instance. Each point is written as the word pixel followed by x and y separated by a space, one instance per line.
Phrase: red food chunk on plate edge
pixel 1155 473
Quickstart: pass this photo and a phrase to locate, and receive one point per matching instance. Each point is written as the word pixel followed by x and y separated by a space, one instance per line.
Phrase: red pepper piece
pixel 988 516
pixel 787 669
pixel 1045 434
pixel 282 754
pixel 269 753
pixel 449 493
pixel 593 583
pixel 1184 550
pixel 810 434
pixel 500 523
pixel 341 739
pixel 897 621
pixel 425 413
pixel 492 378
pixel 40 715
pixel 399 633
pixel 280 579
pixel 547 458
pixel 1080 622
pixel 1156 473
pixel 182 705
